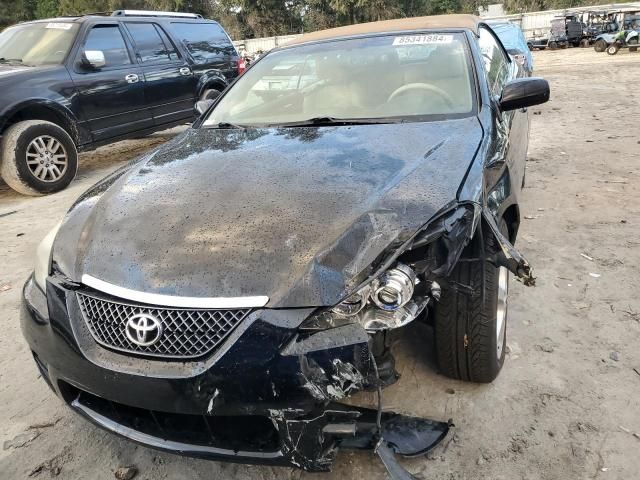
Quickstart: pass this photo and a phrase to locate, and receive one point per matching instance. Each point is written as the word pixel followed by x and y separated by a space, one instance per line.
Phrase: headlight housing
pixel 387 302
pixel 394 288
pixel 43 258
pixel 397 295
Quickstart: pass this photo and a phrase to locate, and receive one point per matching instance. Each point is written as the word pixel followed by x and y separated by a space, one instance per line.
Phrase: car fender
pixel 63 116
pixel 209 80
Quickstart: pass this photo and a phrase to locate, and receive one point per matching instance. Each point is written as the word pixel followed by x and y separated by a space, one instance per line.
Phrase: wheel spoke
pixel 38 171
pixel 51 144
pixel 33 162
pixel 55 172
pixel 40 142
pixel 56 147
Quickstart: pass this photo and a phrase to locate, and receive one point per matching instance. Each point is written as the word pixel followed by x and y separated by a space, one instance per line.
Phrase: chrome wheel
pixel 47 158
pixel 501 310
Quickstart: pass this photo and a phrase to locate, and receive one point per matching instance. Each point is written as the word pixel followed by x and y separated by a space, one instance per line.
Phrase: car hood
pixel 295 214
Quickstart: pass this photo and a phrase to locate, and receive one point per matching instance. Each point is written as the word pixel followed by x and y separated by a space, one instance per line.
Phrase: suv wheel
pixel 38 157
pixel 600 45
pixel 470 334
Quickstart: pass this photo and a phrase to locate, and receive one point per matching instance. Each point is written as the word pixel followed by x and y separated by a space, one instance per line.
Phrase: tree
pixel 47 8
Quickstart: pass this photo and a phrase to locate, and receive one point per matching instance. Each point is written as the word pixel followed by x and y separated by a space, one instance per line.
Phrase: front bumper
pixel 267 395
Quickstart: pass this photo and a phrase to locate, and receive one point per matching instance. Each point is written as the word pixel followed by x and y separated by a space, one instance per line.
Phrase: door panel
pixel 111 98
pixel 170 84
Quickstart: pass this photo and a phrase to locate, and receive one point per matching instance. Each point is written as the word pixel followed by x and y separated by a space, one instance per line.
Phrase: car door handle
pixel 132 78
pixel 185 71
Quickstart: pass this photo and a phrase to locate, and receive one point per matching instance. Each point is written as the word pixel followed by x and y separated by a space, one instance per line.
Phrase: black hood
pixel 294 214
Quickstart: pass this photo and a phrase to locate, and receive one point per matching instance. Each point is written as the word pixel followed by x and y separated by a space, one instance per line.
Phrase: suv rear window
pixel 204 41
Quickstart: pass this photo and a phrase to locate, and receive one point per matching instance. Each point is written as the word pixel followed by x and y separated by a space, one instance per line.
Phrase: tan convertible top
pixel 442 22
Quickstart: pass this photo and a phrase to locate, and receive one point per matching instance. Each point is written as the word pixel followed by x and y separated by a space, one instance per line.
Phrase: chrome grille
pixel 186 333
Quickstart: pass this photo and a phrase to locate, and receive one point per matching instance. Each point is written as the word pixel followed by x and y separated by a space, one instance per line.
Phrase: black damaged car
pixel 220 296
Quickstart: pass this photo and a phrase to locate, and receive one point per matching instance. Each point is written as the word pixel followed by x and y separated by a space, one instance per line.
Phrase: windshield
pixel 37 44
pixel 385 78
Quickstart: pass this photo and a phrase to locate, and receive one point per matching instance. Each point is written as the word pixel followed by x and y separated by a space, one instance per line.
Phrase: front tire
pixel 612 49
pixel 600 45
pixel 471 335
pixel 38 157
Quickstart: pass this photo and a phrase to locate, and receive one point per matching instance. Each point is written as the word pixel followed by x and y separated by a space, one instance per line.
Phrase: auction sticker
pixel 60 26
pixel 422 39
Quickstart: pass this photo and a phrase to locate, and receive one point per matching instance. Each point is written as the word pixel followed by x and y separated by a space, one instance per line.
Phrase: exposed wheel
pixel 210 94
pixel 600 45
pixel 470 335
pixel 584 43
pixel 38 157
pixel 553 45
pixel 633 44
pixel 612 49
pixel 530 46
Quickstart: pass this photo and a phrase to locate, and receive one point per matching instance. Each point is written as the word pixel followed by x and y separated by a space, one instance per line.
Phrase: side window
pixel 495 62
pixel 108 39
pixel 204 41
pixel 171 48
pixel 149 44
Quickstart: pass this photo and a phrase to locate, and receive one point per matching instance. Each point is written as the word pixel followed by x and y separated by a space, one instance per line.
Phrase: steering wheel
pixel 424 87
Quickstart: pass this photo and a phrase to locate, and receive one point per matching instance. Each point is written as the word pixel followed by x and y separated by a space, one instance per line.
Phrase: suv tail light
pixel 241 66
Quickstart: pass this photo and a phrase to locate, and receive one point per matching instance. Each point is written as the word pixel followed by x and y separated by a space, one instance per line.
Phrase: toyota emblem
pixel 143 329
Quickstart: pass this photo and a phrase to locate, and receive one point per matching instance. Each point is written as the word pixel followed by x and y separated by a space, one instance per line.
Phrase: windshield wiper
pixel 225 125
pixel 11 60
pixel 320 121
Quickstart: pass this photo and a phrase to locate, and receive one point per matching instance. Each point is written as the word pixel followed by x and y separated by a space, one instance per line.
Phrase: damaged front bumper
pixel 268 395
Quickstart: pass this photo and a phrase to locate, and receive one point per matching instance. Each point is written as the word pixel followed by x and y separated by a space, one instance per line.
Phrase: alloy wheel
pixel 47 158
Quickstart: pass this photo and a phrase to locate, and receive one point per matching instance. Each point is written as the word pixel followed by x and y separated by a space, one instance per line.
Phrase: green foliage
pixel 259 18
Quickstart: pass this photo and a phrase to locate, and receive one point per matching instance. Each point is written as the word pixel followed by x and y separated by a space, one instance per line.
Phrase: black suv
pixel 75 83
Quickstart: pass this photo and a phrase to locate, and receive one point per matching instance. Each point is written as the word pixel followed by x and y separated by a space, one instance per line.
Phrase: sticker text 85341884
pixel 422 39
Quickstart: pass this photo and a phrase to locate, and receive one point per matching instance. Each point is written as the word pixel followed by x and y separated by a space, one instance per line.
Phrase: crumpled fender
pixel 509 256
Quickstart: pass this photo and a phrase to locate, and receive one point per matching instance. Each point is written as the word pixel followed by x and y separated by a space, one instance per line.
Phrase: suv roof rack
pixel 151 13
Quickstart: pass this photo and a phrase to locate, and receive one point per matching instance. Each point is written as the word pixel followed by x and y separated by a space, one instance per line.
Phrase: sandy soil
pixel 567 403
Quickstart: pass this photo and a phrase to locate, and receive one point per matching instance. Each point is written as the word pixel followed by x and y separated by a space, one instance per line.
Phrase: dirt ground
pixel 567 404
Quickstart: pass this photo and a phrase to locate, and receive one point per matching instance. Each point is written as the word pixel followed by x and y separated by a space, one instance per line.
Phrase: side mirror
pixel 523 93
pixel 203 105
pixel 93 58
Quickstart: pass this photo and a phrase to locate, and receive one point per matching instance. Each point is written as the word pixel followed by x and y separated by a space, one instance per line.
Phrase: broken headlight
pixel 394 288
pixel 396 296
pixel 387 302
pixel 354 304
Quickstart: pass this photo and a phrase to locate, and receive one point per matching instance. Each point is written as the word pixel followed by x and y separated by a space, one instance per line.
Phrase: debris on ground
pixel 4 287
pixel 632 314
pixel 547 347
pixel 21 440
pixel 126 473
pixel 584 255
pixel 38 426
pixel 615 356
pixel 54 464
pixel 595 275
